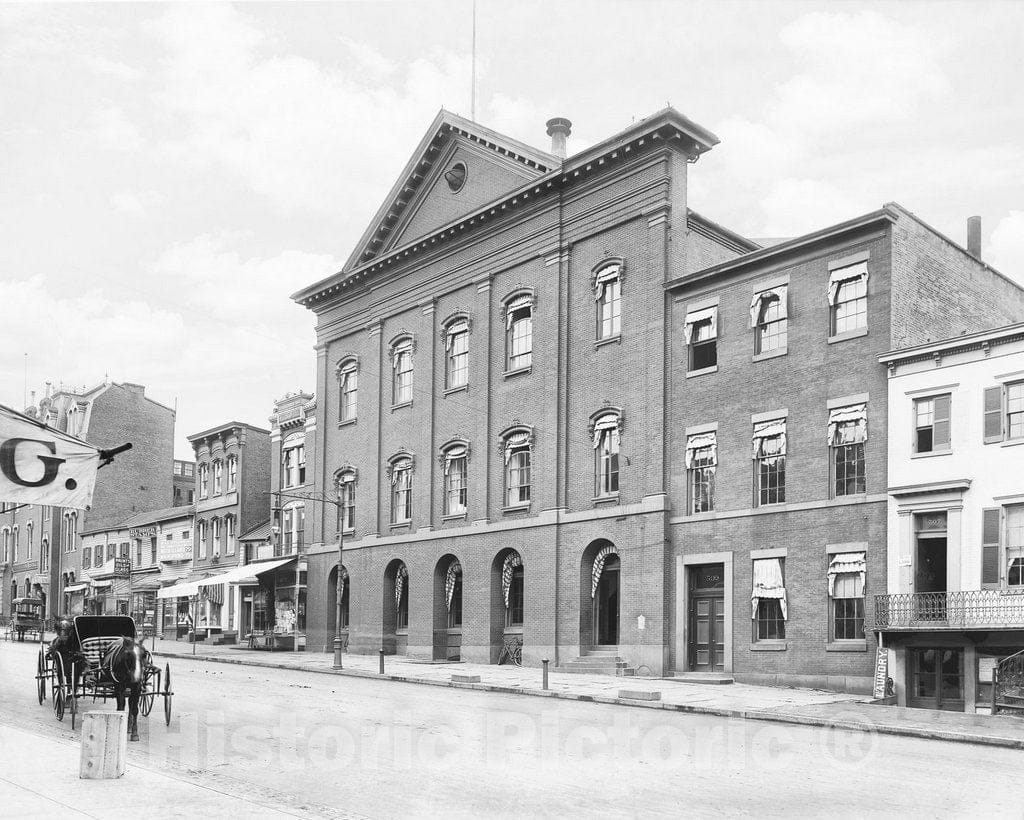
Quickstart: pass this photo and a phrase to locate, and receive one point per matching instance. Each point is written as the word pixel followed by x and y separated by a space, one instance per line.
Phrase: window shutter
pixel 990 524
pixel 993 414
pixel 940 428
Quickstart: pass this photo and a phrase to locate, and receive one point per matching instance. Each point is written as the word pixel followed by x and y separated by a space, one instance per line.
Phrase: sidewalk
pixel 39 778
pixel 811 707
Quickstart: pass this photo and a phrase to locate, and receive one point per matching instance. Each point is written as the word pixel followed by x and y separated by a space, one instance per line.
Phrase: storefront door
pixel 606 604
pixel 707 618
pixel 936 679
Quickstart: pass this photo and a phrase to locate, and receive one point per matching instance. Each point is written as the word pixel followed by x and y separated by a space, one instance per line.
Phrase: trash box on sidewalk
pixel 104 745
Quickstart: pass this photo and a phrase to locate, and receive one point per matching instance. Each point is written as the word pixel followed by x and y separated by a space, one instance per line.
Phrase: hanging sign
pixel 881 673
pixel 122 567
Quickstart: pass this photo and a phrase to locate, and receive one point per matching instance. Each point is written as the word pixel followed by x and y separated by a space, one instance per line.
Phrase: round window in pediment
pixel 456 177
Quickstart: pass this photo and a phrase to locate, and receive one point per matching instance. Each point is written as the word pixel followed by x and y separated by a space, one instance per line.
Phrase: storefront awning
pixel 101 584
pixel 146 584
pixel 234 575
pixel 76 588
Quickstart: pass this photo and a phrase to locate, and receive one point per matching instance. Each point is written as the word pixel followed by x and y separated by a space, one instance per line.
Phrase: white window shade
pixel 696 316
pixel 841 431
pixel 847 274
pixel 776 293
pixel 454 329
pixel 515 441
pixel 609 422
pixel 512 560
pixel 451 454
pixel 768 584
pixel 698 442
pixel 847 573
pixel 526 300
pixel 400 467
pixel 767 431
pixel 604 276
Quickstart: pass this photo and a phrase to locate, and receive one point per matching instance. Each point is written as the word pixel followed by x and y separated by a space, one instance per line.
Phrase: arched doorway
pixel 395 614
pixel 448 609
pixel 600 571
pixel 332 605
pixel 508 611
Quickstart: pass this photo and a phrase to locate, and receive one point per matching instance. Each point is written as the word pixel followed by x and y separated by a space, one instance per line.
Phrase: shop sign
pixel 177 552
pixel 881 673
pixel 142 532
pixel 122 567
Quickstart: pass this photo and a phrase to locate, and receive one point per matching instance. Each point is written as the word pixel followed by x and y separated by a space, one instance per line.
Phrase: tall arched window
pixel 607 293
pixel 519 331
pixel 347 500
pixel 44 555
pixel 453 594
pixel 293 460
pixel 517 445
pixel 218 477
pixel 16 535
pixel 456 343
pixel 348 390
pixel 454 458
pixel 229 534
pixel 401 598
pixel 215 536
pixel 400 469
pixel 204 480
pixel 28 539
pixel 232 473
pixel 401 363
pixel 606 432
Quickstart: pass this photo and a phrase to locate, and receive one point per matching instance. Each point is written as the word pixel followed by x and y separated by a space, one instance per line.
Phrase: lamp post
pixel 339 589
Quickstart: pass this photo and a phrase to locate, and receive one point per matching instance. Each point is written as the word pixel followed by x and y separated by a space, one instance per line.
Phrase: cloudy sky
pixel 169 174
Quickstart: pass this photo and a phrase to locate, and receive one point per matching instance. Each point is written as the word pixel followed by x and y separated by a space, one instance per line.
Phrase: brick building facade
pixel 503 387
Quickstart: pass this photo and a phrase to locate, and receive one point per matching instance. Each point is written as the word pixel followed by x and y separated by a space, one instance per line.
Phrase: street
pixel 383 749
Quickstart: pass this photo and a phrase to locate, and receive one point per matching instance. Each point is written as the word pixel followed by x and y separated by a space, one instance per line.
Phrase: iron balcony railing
pixel 950 610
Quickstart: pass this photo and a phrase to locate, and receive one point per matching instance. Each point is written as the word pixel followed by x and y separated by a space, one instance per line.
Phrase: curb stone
pixel 719 711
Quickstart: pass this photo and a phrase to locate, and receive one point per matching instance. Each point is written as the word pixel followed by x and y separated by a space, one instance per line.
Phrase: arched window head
pixel 517 450
pixel 456 344
pixel 401 366
pixel 346 480
pixel 454 461
pixel 518 311
pixel 399 471
pixel 606 430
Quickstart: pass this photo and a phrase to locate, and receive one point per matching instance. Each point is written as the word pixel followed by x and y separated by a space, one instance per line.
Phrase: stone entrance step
pixel 709 678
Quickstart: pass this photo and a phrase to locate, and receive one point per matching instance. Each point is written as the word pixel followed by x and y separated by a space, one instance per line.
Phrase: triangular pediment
pixel 458 167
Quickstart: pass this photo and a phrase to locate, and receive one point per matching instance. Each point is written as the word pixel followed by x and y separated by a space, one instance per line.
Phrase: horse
pixel 123 669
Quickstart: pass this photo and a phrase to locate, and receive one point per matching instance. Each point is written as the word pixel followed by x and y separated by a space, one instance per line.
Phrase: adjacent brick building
pixel 111 414
pixel 526 355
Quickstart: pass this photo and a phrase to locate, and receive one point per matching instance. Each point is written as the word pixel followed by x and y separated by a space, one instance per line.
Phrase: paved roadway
pixel 386 749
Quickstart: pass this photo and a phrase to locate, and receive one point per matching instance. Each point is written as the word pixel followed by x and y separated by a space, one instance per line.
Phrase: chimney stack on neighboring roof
pixel 558 129
pixel 974 236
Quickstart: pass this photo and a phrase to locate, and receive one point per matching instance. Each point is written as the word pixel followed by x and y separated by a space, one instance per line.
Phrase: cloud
pixel 109 127
pixel 1006 246
pixel 136 203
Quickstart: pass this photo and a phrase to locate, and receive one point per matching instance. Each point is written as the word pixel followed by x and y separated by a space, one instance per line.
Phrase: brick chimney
pixel 558 129
pixel 974 236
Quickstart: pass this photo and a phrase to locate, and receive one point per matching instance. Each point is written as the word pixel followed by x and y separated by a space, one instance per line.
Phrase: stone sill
pixel 400 405
pixel 771 354
pixel 849 334
pixel 400 525
pixel 932 454
pixel 454 517
pixel 847 646
pixel 519 371
pixel 611 340
pixel 516 508
pixel 769 646
pixel 703 371
pixel 606 499
pixel 346 422
pixel 452 390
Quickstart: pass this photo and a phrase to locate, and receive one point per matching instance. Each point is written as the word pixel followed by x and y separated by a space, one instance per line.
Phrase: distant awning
pixel 234 575
pixel 76 588
pixel 146 584
pixel 101 584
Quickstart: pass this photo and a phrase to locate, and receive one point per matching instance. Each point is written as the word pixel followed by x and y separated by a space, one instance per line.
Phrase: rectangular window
pixel 152 550
pixel 86 556
pixel 347 508
pixel 606 457
pixel 701 461
pixel 609 308
pixel 700 331
pixel 204 479
pixel 1015 546
pixel 229 533
pixel 401 496
pixel 111 548
pixel 768 599
pixel 126 549
pixel 846 574
pixel 769 462
pixel 218 477
pixel 456 492
pixel 1015 410
pixel 931 424
pixel 138 552
pixel 232 473
pixel 847 433
pixel 457 350
pixel 769 315
pixel 848 298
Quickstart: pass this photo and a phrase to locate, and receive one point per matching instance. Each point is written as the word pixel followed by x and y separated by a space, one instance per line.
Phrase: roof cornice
pixel 800 243
pixel 958 344
pixel 667 127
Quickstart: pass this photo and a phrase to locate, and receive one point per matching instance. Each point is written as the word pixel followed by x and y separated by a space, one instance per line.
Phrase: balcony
pixel 938 611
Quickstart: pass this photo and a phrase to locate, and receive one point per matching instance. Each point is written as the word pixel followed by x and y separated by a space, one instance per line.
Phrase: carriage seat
pixel 95 648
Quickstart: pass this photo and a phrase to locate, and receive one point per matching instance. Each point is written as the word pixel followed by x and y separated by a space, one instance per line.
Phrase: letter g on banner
pixel 51 464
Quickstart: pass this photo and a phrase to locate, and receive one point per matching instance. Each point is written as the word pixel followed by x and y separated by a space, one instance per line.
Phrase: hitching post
pixel 339 588
pixel 545 662
pixel 382 661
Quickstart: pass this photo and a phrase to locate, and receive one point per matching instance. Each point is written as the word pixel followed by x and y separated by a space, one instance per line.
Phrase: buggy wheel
pixel 73 703
pixel 168 694
pixel 59 689
pixel 149 695
pixel 41 677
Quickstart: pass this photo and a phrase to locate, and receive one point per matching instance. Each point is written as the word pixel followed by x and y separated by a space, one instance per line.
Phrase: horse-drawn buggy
pixel 98 657
pixel 26 617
